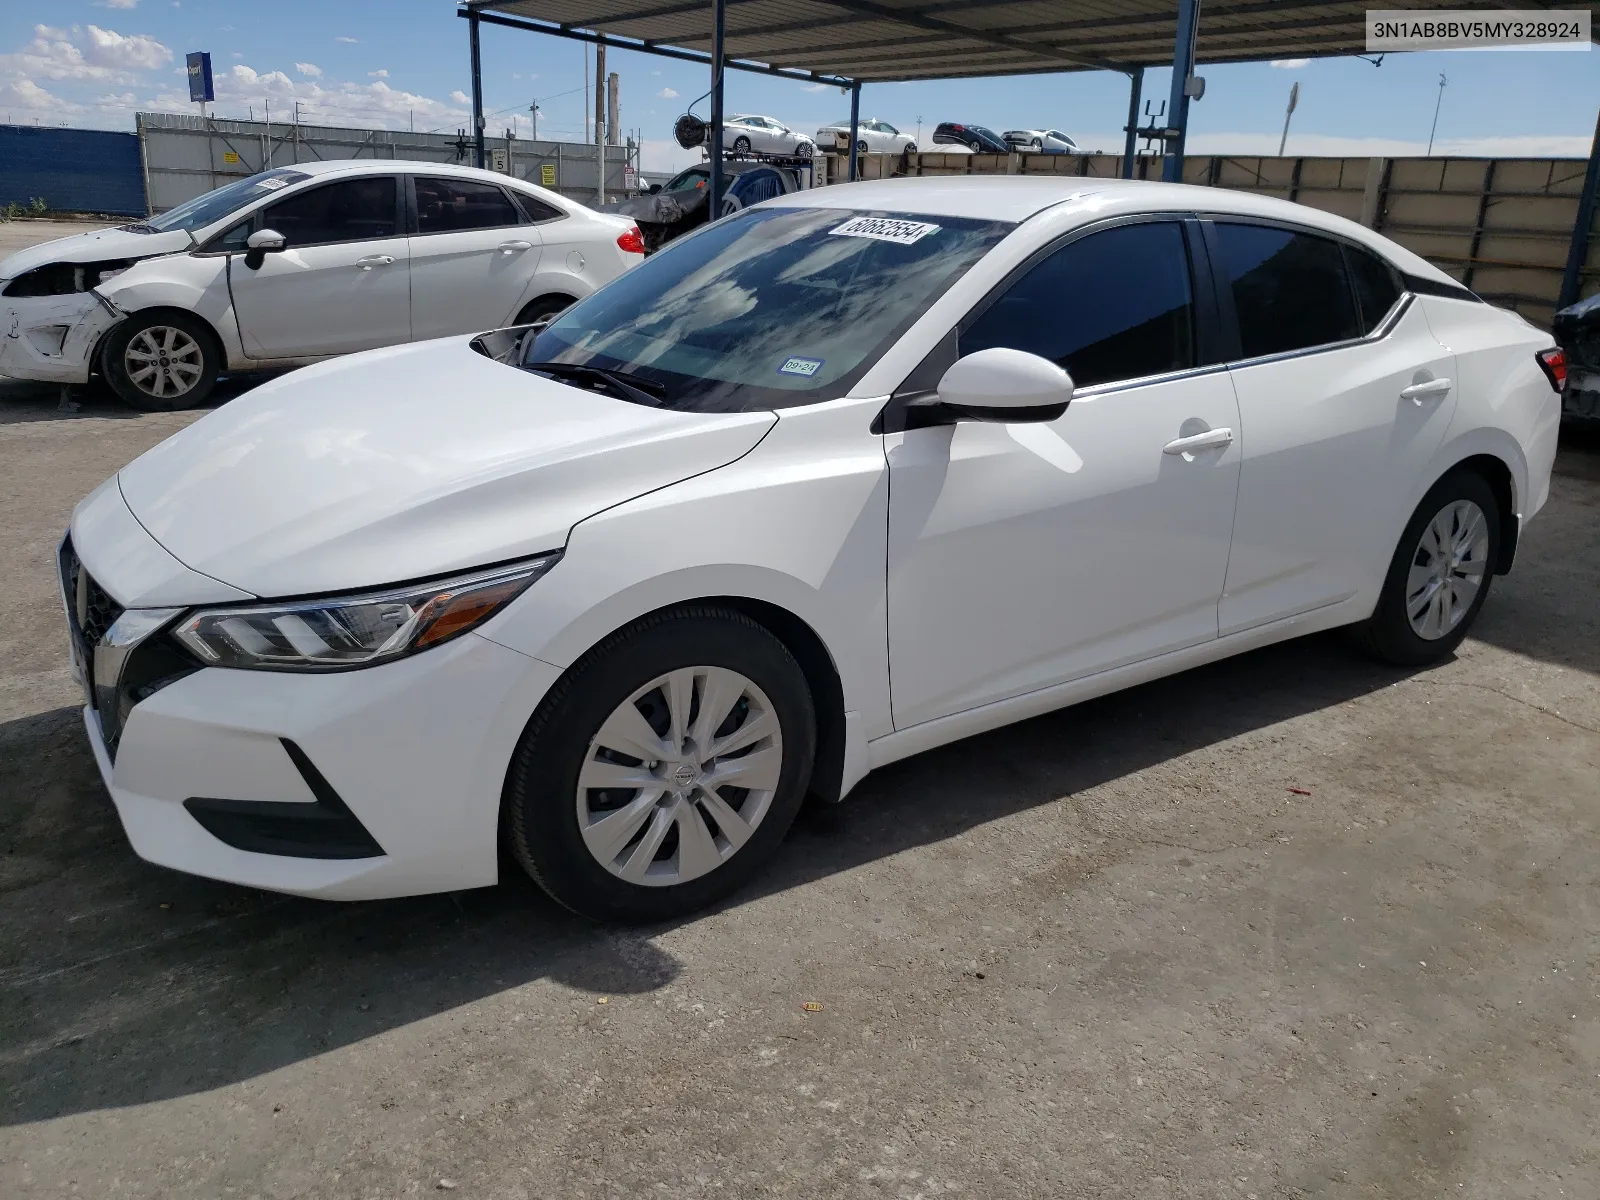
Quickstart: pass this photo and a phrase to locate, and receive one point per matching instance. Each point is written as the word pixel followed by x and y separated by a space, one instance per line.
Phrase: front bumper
pixel 52 338
pixel 416 750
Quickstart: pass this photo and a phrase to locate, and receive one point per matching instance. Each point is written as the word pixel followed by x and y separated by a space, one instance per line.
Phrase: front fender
pixel 182 281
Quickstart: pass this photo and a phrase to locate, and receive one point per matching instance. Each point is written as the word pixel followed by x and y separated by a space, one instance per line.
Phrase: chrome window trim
pixel 1384 328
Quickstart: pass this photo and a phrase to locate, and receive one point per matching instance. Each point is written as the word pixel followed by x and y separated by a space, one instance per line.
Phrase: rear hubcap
pixel 1447 569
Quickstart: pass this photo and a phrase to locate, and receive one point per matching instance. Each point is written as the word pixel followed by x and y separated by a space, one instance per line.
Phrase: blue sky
pixel 394 62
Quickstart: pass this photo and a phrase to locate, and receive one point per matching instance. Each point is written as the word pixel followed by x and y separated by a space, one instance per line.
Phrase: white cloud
pixel 117 3
pixel 383 73
pixel 238 54
pixel 349 41
pixel 1290 64
pixel 310 70
pixel 21 98
pixel 815 87
pixel 666 94
pixel 87 53
pixel 461 97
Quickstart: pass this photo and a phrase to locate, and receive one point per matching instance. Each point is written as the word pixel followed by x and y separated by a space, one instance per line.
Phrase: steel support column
pixel 477 89
pixel 1129 143
pixel 855 128
pixel 1578 251
pixel 1178 101
pixel 719 14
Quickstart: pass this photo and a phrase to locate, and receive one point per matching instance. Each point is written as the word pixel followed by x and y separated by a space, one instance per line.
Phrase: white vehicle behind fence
pixel 298 264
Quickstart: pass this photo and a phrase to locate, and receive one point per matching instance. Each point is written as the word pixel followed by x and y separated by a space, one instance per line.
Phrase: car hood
pixel 101 245
pixel 406 463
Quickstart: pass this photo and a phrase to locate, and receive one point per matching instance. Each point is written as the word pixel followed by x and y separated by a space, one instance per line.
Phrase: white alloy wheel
pixel 1448 568
pixel 679 776
pixel 164 362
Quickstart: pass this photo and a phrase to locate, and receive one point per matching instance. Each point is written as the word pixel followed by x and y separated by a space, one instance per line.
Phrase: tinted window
pixel 752 187
pixel 1113 305
pixel 1376 286
pixel 769 308
pixel 537 209
pixel 1289 289
pixel 452 205
pixel 347 211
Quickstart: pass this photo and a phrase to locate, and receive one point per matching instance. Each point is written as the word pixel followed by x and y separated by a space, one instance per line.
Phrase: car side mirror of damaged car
pixel 260 244
pixel 1004 385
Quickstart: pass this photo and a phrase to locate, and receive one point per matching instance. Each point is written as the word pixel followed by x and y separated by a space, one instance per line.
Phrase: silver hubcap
pixel 163 362
pixel 1447 569
pixel 679 776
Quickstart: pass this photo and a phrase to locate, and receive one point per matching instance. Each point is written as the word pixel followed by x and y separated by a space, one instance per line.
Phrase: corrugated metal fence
pixel 1501 226
pixel 71 170
pixel 185 156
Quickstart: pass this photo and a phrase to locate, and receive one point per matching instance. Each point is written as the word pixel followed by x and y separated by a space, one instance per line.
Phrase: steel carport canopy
pixel 871 41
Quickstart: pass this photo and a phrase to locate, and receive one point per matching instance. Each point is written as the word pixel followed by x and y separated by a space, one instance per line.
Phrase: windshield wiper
pixel 137 227
pixel 641 391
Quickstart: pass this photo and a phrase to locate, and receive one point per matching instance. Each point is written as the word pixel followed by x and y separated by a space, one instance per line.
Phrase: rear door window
pixel 1111 306
pixel 1377 286
pixel 455 205
pixel 1290 289
pixel 350 210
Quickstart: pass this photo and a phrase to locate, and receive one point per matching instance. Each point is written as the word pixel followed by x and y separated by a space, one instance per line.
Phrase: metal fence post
pixel 477 86
pixel 1178 101
pixel 719 13
pixel 1135 89
pixel 1578 250
pixel 855 128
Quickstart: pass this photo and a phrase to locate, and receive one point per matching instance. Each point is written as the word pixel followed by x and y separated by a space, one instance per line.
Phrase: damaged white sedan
pixel 295 265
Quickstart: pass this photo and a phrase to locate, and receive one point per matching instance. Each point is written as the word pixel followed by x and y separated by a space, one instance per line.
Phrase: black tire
pixel 741 145
pixel 115 360
pixel 541 822
pixel 1388 634
pixel 861 146
pixel 539 312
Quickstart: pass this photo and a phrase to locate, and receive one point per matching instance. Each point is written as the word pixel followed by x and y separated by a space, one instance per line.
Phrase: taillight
pixel 631 242
pixel 1554 362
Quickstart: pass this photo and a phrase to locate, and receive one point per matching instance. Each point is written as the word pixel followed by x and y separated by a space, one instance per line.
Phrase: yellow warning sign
pixel 547 175
pixel 229 157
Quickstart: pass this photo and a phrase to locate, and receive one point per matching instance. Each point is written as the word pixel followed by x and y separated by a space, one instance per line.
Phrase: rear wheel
pixel 861 146
pixel 741 145
pixel 1440 574
pixel 162 361
pixel 542 311
pixel 664 769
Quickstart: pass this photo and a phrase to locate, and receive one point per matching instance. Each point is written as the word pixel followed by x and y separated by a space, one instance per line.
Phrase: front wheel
pixel 861 147
pixel 1440 574
pixel 162 361
pixel 665 767
pixel 542 311
pixel 741 145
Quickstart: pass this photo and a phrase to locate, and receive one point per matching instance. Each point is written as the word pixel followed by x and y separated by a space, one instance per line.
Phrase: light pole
pixel 1437 105
pixel 1294 98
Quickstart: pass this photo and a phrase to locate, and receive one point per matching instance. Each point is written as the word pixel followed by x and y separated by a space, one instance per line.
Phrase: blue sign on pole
pixel 200 89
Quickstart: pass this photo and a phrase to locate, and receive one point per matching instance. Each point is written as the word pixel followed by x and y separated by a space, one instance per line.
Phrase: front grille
pixel 90 607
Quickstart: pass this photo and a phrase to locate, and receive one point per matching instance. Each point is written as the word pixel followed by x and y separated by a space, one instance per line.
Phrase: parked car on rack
pixel 298 264
pixel 765 135
pixel 873 136
pixel 950 135
pixel 682 203
pixel 1041 141
pixel 843 477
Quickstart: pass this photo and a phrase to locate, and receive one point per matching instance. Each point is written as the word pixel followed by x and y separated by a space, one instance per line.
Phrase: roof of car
pixel 389 166
pixel 1016 198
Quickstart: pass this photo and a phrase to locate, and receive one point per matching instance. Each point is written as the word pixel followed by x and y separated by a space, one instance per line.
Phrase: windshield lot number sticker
pixel 801 366
pixel 885 229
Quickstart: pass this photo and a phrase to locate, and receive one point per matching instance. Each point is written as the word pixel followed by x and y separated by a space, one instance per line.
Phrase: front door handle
pixel 515 247
pixel 1431 389
pixel 374 260
pixel 1211 439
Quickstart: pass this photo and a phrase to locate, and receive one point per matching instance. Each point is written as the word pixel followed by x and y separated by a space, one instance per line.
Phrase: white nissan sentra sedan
pixel 851 474
pixel 298 264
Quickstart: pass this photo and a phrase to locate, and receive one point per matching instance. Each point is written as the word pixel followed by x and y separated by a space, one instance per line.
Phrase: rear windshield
pixel 771 308
pixel 214 205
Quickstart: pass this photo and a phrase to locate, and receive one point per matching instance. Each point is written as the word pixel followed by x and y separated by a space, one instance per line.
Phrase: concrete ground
pixel 1294 925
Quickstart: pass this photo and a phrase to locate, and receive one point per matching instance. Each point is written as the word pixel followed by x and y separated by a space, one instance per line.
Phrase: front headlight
pixel 346 632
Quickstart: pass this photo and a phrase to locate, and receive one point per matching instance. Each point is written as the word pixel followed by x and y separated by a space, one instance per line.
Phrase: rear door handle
pixel 374 260
pixel 1211 439
pixel 1432 389
pixel 515 247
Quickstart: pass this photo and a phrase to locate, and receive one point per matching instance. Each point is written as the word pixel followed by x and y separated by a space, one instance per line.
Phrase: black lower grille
pixel 90 606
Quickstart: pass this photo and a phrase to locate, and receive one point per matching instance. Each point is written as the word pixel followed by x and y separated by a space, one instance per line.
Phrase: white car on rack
pixel 853 473
pixel 873 136
pixel 1041 141
pixel 297 264
pixel 765 135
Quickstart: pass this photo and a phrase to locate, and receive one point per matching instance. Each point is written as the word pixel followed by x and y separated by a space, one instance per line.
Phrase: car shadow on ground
pixel 122 983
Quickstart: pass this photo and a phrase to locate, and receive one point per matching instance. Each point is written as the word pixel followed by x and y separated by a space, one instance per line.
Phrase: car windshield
pixel 689 181
pixel 768 309
pixel 215 205
pixel 987 136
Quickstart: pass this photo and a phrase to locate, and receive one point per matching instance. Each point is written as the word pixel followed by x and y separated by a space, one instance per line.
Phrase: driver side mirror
pixel 1004 385
pixel 261 243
